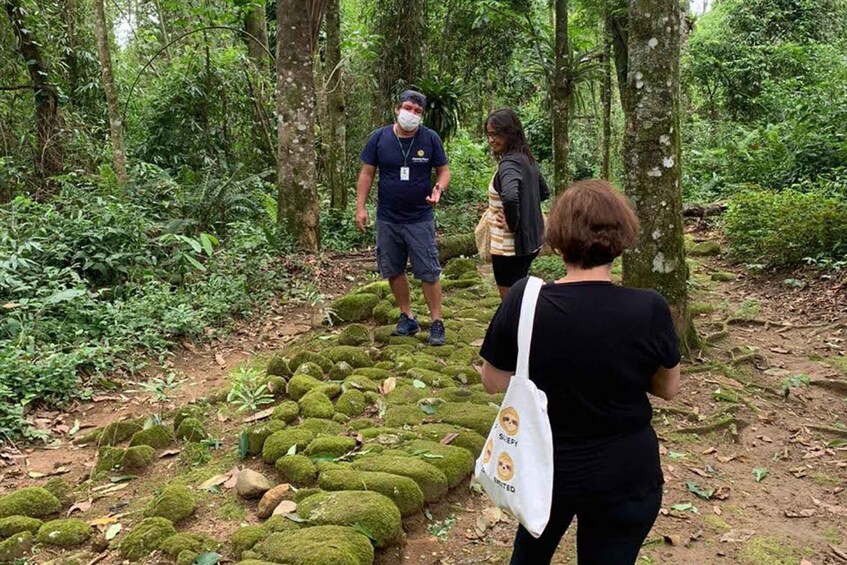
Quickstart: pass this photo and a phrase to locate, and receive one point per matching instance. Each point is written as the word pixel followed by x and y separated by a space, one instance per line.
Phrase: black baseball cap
pixel 413 96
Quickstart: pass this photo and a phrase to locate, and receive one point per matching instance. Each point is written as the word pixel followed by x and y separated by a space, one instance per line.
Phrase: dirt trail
pixel 763 482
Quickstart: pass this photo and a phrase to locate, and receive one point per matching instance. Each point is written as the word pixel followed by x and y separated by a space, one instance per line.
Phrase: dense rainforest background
pixel 145 196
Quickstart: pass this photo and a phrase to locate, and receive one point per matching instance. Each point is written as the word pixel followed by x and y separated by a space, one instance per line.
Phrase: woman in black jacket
pixel 514 201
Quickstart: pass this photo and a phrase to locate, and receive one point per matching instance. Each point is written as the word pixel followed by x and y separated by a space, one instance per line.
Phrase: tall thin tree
pixel 101 30
pixel 652 157
pixel 561 98
pixel 297 199
pixel 606 95
pixel 336 126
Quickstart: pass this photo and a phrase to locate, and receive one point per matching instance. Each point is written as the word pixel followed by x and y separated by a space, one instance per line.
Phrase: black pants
pixel 605 535
pixel 509 269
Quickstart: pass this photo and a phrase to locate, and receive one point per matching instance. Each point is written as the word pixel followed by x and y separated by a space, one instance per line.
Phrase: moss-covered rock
pixel 175 502
pixel 467 439
pixel 61 489
pixel 431 480
pixel 432 378
pixel 399 435
pixel 301 384
pixel 312 369
pixel 470 333
pixel 377 288
pixel 340 417
pixel 404 395
pixel 418 361
pixel 276 385
pixel 320 545
pixel 463 394
pixel 146 537
pixel 366 511
pixel 372 374
pixel 399 416
pixel 280 523
pixel 109 459
pixel 330 446
pixel 476 417
pixel 466 356
pixel 296 469
pixel 355 356
pixel 723 276
pixel 321 427
pixel 455 268
pixel 64 533
pixel 455 462
pixel 245 538
pixel 704 248
pixel 191 411
pixel 382 334
pixel 354 334
pixel 15 547
pixel 286 411
pixel 358 383
pixel 351 402
pixel 331 390
pixel 176 544
pixel 118 432
pixel 464 374
pixel 385 312
pixel 12 525
pixel 340 371
pixel 138 458
pixel 257 435
pixel 394 352
pixel 157 437
pixel 34 502
pixel 354 307
pixel 278 443
pixel 278 366
pixel 316 405
pixel 403 491
pixel 191 429
pixel 302 357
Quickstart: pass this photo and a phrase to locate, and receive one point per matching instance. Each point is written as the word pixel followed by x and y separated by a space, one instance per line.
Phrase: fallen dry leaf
pixel 219 359
pixel 83 506
pixel 709 451
pixel 260 415
pixel 214 481
pixel 722 493
pixel 102 521
pixel 717 510
pixel 169 453
pixel 831 508
pixel 737 536
pixel 233 477
pixel 387 385
pixel 727 458
pixel 449 437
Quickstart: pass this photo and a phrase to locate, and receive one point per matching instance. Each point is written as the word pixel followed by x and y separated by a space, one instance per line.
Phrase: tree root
pixel 734 396
pixel 693 369
pixel 834 385
pixel 724 422
pixel 687 414
pixel 837 432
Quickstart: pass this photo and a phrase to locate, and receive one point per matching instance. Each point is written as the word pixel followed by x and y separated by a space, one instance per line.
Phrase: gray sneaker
pixel 437 333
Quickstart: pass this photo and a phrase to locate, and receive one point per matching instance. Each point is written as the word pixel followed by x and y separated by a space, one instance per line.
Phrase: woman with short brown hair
pixel 597 350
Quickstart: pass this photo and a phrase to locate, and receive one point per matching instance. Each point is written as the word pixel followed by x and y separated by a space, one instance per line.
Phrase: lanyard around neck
pixel 407 151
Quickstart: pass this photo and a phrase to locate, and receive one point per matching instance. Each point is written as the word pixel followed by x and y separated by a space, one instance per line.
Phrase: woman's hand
pixel 498 219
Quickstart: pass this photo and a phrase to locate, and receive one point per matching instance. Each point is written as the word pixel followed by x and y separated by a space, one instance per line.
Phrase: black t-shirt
pixel 595 347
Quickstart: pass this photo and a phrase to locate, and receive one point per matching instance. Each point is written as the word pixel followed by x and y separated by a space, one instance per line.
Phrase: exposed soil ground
pixel 753 449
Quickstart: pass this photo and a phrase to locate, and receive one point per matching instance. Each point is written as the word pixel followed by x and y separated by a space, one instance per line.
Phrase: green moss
pixel 157 437
pixel 467 439
pixel 463 374
pixel 12 525
pixel 301 384
pixel 257 435
pixel 476 417
pixel 146 537
pixel 431 480
pixel 312 369
pixel 138 458
pixel 455 462
pixel 316 405
pixel 187 557
pixel 404 395
pixel 185 412
pixel 340 371
pixel 403 491
pixel 432 378
pixel 321 427
pixel 354 334
pixel 287 411
pixel 278 443
pixel 385 312
pixel 246 537
pixel 331 390
pixel 399 416
pixel 296 469
pixel 175 502
pixel 109 459
pixel 34 502
pixel 332 446
pixel 64 533
pixel 320 545
pixel 351 402
pixel 418 361
pixel 378 288
pixel 355 356
pixel 382 334
pixel 455 268
pixel 366 511
pixel 717 523
pixel 704 248
pixel 276 385
pixel 762 550
pixel 15 547
pixel 695 308
pixel 393 352
pixel 318 359
pixel 470 333
pixel 361 382
pixel 462 394
pixel 255 562
pixel 723 276
pixel 176 544
pixel 464 356
pixel 379 433
pixel 191 429
pixel 354 307
pixel 340 417
pixel 278 366
pixel 280 523
pixel 373 374
pixel 118 432
pixel 61 489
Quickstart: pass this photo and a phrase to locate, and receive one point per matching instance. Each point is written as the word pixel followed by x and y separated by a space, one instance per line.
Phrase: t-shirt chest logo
pixel 420 157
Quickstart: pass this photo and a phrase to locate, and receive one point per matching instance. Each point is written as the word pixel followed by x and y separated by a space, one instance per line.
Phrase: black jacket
pixel 521 187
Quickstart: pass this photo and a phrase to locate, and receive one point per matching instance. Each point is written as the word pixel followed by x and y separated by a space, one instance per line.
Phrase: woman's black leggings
pixel 605 535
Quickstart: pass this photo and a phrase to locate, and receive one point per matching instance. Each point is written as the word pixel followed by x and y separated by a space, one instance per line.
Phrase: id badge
pixel 404 173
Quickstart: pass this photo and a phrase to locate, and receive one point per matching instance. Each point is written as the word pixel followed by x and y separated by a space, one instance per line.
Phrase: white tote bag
pixel 516 465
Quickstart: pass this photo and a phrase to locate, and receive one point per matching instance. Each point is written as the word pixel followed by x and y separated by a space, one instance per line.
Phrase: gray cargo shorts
pixel 397 243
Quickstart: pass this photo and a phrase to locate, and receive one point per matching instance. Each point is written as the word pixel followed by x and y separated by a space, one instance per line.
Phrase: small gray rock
pixel 250 484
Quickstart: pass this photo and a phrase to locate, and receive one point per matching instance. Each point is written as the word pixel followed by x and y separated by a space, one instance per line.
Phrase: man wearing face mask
pixel 405 154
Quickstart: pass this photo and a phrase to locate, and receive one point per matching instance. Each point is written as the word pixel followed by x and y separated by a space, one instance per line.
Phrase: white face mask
pixel 409 121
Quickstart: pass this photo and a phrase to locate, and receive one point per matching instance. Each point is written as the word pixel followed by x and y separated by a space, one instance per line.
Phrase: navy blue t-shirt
pixel 399 201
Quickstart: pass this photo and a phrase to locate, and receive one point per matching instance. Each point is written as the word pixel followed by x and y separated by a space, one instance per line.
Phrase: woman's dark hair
pixel 591 223
pixel 506 124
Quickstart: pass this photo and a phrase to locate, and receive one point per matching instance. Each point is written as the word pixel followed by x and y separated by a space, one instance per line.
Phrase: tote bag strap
pixel 530 298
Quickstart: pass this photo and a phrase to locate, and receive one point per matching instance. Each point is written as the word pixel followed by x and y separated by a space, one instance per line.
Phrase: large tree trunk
pixel 256 25
pixel 560 105
pixel 619 23
pixel 401 55
pixel 652 157
pixel 606 95
pixel 335 131
pixel 101 30
pixel 48 162
pixel 297 201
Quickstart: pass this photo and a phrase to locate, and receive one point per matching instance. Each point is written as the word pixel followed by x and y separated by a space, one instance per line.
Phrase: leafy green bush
pixel 784 228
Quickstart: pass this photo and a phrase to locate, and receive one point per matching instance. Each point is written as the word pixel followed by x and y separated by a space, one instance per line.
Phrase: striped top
pixel 502 240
